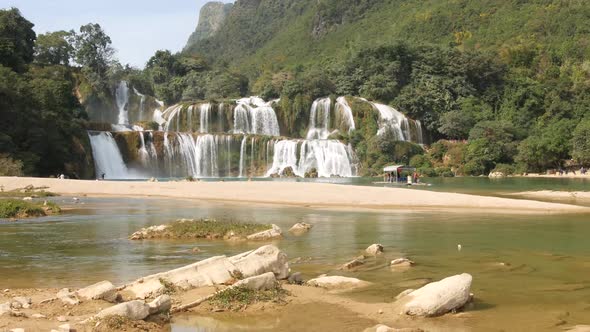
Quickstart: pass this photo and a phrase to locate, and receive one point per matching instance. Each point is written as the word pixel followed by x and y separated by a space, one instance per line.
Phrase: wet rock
pixel 300 228
pixel 374 250
pixel 67 297
pixel 497 175
pixel 262 282
pixel 312 174
pixel 161 304
pixel 134 310
pixel 296 279
pixel 439 297
pixel 385 328
pixel 215 271
pixel 274 233
pixel 148 232
pixel 196 250
pixel 103 290
pixel 337 282
pixel 404 293
pixel 353 264
pixel 401 263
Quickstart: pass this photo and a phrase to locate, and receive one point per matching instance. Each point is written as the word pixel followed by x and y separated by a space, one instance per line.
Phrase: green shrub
pixel 505 169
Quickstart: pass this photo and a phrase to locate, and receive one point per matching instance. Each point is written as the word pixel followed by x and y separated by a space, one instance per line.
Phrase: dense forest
pixel 498 85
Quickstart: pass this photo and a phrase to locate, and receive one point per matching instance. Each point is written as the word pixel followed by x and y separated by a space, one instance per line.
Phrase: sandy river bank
pixel 318 195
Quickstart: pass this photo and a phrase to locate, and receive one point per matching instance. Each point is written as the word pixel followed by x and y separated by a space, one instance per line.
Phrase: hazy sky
pixel 137 27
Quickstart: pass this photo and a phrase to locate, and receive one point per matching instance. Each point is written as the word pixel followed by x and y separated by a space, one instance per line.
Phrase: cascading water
pixel 344 112
pixel 319 119
pixel 242 156
pixel 205 117
pixel 396 122
pixel 122 99
pixel 329 157
pixel 254 116
pixel 107 158
pixel 141 104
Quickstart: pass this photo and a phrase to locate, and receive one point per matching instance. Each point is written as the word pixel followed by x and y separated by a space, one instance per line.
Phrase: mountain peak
pixel 211 17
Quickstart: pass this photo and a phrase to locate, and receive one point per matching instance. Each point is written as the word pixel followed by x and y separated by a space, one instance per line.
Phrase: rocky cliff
pixel 211 18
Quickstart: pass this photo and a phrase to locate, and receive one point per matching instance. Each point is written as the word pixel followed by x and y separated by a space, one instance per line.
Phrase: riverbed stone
pixel 300 228
pixel 385 328
pixel 103 290
pixel 134 310
pixel 264 281
pixel 353 264
pixel 161 304
pixel 404 293
pixel 64 328
pixel 18 329
pixel 217 270
pixel 401 263
pixel 374 250
pixel 337 282
pixel 274 233
pixel 4 308
pixel 38 316
pixel 439 298
pixel 67 297
pixel 62 319
pixel 148 232
pixel 296 279
pixel 21 302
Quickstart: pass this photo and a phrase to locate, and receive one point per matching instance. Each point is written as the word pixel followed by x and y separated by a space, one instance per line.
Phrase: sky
pixel 138 28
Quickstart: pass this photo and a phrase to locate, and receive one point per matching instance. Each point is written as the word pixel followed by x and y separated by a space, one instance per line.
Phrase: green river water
pixel 542 285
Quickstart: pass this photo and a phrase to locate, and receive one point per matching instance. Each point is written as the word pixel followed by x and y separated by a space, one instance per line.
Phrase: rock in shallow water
pixel 374 250
pixel 300 228
pixel 439 298
pixel 401 263
pixel 337 282
pixel 274 233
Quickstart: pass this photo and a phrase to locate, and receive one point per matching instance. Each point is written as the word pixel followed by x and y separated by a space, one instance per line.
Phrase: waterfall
pixel 147 151
pixel 392 119
pixel 345 113
pixel 254 116
pixel 141 104
pixel 205 117
pixel 242 154
pixel 107 157
pixel 419 134
pixel 122 100
pixel 328 157
pixel 319 119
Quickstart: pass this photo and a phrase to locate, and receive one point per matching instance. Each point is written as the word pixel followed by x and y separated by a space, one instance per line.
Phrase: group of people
pixel 562 171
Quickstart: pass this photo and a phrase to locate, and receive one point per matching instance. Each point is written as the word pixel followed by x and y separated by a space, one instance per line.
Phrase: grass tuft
pixel 238 298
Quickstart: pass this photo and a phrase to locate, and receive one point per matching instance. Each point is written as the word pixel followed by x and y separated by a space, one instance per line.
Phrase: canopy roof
pixel 392 168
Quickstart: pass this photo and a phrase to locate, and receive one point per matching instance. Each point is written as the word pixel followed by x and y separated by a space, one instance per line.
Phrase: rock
pixel 273 233
pixel 196 250
pixel 352 264
pixel 134 310
pixel 27 198
pixel 21 302
pixel 161 304
pixel 17 330
pixel 62 319
pixel 401 262
pixel 103 290
pixel 439 297
pixel 374 250
pixel 67 297
pixel 337 282
pixel 215 271
pixel 497 175
pixel 579 328
pixel 300 228
pixel 404 293
pixel 262 282
pixel 64 328
pixel 149 232
pixel 38 316
pixel 385 328
pixel 4 308
pixel 296 279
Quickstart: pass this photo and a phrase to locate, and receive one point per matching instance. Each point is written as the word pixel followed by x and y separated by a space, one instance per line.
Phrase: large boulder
pixel 262 282
pixel 374 250
pixel 214 271
pixel 274 233
pixel 67 297
pixel 439 297
pixel 103 290
pixel 134 310
pixel 337 282
pixel 300 228
pixel 161 304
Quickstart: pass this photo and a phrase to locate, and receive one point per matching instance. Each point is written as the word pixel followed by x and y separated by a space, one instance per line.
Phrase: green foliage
pixel 581 142
pixel 94 53
pixel 9 166
pixel 238 298
pixel 54 48
pixel 12 208
pixel 547 146
pixel 17 40
pixel 210 228
pixel 505 169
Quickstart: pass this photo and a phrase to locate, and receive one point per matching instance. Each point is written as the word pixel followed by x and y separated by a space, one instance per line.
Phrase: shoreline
pixel 299 194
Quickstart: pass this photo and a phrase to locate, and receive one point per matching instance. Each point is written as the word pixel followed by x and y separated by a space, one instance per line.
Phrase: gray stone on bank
pixel 103 290
pixel 439 298
pixel 67 297
pixel 385 328
pixel 134 310
pixel 274 233
pixel 161 304
pixel 21 302
pixel 264 281
pixel 296 279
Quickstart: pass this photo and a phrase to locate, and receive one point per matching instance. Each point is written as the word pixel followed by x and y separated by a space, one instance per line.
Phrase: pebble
pixel 6 290
pixel 380 311
pixel 38 316
pixel 62 319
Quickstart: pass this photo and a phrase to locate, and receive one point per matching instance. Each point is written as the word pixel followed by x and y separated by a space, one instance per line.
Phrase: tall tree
pixel 17 40
pixel 54 48
pixel 94 53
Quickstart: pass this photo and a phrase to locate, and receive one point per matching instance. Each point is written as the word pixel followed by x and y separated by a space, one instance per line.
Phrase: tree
pixel 17 40
pixel 547 146
pixel 54 48
pixel 94 53
pixel 581 142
